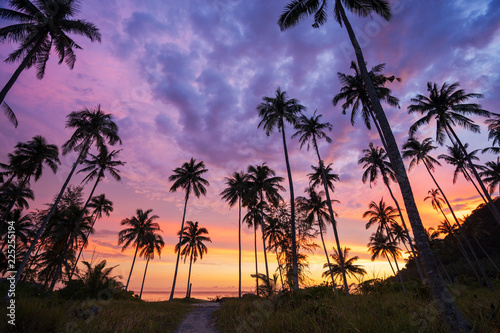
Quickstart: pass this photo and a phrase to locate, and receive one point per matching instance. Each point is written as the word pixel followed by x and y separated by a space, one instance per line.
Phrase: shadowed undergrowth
pixel 316 309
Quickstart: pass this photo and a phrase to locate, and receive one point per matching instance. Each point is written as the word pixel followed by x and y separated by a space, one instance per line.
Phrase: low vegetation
pixel 382 308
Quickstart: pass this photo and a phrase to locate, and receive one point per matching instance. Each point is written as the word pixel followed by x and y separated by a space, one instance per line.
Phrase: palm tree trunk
pixel 46 220
pixel 334 222
pixel 239 246
pixel 179 252
pixel 19 69
pixel 131 268
pixel 295 267
pixel 73 234
pixel 393 271
pixel 394 256
pixel 83 246
pixel 491 205
pixel 256 266
pixel 328 259
pixel 386 181
pixel 144 278
pixel 444 269
pixel 262 226
pixel 279 268
pixel 189 275
pixel 486 254
pixel 445 302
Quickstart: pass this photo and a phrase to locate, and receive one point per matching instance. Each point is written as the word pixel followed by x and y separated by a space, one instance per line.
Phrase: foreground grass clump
pixel 39 314
pixel 317 309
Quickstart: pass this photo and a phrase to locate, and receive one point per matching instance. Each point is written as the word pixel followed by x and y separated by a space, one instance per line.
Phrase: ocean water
pixel 156 296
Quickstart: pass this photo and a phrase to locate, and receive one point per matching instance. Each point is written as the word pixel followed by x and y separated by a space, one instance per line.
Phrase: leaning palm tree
pixel 189 178
pixel 355 94
pixel 375 162
pixel 263 184
pixel 92 127
pixel 491 175
pixel 274 112
pixel 99 205
pixel 237 186
pixel 153 243
pixel 192 246
pixel 43 26
pixel 28 160
pixel 458 159
pixel 97 166
pixel 310 130
pixel 138 233
pixel 351 269
pixel 384 216
pixel 294 12
pixel 447 104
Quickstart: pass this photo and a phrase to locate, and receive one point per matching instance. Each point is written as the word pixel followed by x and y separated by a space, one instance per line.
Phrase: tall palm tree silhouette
pixel 192 246
pixel 153 243
pixel 310 130
pixel 28 160
pixel 189 178
pixel 274 112
pixel 237 187
pixel 92 127
pixel 140 228
pixel 263 184
pixel 43 26
pixel 297 10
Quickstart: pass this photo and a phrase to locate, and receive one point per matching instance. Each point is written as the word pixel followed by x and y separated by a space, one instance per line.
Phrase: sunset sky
pixel 183 79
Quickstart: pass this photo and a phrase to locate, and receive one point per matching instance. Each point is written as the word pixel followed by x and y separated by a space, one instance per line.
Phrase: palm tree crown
pixel 418 152
pixel 446 105
pixel 355 94
pixel 42 26
pixel 188 177
pixel 376 163
pixel 311 129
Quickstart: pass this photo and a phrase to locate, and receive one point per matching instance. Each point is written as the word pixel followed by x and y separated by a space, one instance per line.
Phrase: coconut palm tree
pixel 448 106
pixel 97 166
pixel 316 209
pixel 351 269
pixel 43 26
pixel 264 184
pixel 237 186
pixel 189 178
pixel 493 133
pixel 23 230
pixel 355 94
pixel 310 130
pixel 92 127
pixel 375 163
pixel 274 112
pixel 275 234
pixel 141 226
pixel 192 246
pixel 28 160
pixel 11 190
pixel 255 214
pixel 384 216
pixel 457 158
pixel 380 244
pixel 99 205
pixel 294 12
pixel 316 177
pixel 491 175
pixel 153 242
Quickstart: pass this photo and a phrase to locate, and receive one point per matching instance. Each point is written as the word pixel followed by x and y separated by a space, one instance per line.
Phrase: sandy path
pixel 200 319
